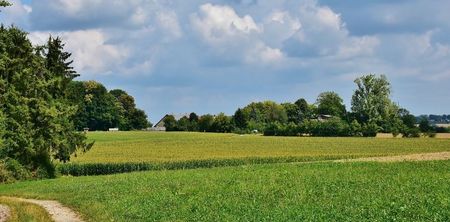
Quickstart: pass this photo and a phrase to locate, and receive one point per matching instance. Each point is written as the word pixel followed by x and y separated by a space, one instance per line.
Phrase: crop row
pixel 87 169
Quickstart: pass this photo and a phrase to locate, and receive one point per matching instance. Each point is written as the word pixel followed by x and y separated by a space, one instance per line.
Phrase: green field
pixel 316 191
pixel 119 147
pixel 415 191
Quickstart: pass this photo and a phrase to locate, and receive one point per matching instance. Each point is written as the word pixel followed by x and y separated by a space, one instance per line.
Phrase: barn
pixel 159 126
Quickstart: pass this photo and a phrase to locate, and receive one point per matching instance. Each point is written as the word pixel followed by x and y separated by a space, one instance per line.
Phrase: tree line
pixel 372 111
pixel 100 109
pixel 42 108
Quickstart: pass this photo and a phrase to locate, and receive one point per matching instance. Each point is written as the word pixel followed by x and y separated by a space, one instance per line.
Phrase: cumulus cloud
pixel 90 50
pixel 323 33
pixel 218 24
pixel 253 48
pixel 231 35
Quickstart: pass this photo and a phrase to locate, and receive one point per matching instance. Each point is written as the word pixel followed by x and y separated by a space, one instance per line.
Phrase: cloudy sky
pixel 177 56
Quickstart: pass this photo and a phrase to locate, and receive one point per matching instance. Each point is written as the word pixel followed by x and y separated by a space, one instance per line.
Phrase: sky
pixel 211 56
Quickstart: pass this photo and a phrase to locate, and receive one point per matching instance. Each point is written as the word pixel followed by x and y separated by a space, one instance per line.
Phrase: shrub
pixel 291 129
pixel 331 128
pixel 11 170
pixel 271 129
pixel 355 129
pixel 5 175
pixel 18 171
pixel 430 134
pixel 370 130
pixel 411 132
pixel 441 129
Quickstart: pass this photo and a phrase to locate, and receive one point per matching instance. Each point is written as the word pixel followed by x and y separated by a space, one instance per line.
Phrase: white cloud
pixel 233 36
pixel 168 22
pixel 323 33
pixel 279 26
pixel 358 46
pixel 218 24
pixel 90 51
pixel 262 53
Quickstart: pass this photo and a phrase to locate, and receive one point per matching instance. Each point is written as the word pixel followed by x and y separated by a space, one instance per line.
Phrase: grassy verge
pixel 407 191
pixel 25 212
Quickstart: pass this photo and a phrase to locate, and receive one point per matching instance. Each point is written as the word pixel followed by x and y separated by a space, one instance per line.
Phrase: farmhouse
pixel 159 126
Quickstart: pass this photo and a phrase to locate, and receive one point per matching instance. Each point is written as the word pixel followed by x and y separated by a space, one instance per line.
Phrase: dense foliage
pixel 42 109
pixel 372 111
pixel 99 109
pixel 37 126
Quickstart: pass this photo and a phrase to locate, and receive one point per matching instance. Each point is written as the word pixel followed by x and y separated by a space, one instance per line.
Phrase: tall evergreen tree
pixel 58 61
pixel 38 126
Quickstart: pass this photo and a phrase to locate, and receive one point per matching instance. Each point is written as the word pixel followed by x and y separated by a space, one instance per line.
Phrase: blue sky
pixel 179 56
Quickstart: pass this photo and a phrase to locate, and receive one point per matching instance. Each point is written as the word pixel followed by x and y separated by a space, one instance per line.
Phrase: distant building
pixel 322 118
pixel 113 129
pixel 159 126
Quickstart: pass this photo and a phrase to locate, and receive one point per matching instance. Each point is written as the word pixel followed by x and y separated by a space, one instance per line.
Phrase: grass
pixel 406 191
pixel 138 147
pixel 25 212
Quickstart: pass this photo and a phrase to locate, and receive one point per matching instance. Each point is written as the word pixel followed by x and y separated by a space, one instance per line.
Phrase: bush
pixel 11 170
pixel 271 129
pixel 370 130
pixel 5 175
pixel 430 134
pixel 411 132
pixel 441 129
pixel 291 129
pixel 355 129
pixel 331 128
pixel 18 171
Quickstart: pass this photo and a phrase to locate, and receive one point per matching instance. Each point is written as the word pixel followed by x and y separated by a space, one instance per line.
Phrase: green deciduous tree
pixel 222 124
pixel 424 125
pixel 131 118
pixel 205 123
pixel 265 112
pixel 330 103
pixel 370 101
pixel 170 123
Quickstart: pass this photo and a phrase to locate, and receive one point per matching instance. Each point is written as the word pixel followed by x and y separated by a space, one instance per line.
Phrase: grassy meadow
pixel 241 191
pixel 120 147
pixel 404 191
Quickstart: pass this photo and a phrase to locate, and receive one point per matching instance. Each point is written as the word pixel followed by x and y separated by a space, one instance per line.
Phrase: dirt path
pixel 4 213
pixel 57 211
pixel 408 157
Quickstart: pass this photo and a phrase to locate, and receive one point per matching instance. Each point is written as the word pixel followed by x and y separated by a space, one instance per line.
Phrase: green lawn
pixel 119 147
pixel 407 191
